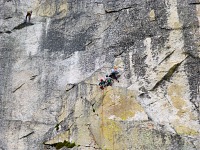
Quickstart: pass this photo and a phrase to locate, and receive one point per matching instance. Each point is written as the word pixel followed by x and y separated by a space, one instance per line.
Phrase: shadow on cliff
pixel 22 25
pixel 19 27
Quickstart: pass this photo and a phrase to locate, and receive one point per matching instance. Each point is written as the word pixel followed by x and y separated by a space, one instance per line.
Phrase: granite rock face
pixel 50 69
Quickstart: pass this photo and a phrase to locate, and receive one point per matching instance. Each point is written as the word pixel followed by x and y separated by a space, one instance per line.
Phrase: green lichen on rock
pixel 183 130
pixel 60 145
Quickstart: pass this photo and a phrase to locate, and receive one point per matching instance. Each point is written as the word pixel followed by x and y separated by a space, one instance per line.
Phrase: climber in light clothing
pixel 28 15
pixel 114 73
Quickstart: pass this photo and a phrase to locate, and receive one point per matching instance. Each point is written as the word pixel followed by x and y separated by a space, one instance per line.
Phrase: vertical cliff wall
pixel 50 69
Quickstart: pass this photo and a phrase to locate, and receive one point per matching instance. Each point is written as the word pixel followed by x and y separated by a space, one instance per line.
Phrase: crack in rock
pixel 119 54
pixel 18 88
pixel 195 2
pixel 113 11
pixel 8 32
pixel 33 77
pixel 7 17
pixel 60 145
pixel 70 87
pixel 168 75
pixel 27 135
pixel 166 57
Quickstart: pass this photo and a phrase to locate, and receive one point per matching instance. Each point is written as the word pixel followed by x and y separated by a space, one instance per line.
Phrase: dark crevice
pixel 18 88
pixel 91 41
pixel 72 86
pixel 87 44
pixel 194 3
pixel 27 135
pixel 8 32
pixel 93 108
pixel 8 18
pixel 151 103
pixel 144 95
pixel 33 77
pixel 60 145
pixel 113 11
pixel 57 126
pixel 196 106
pixel 166 57
pixel 119 54
pixel 149 118
pixel 168 75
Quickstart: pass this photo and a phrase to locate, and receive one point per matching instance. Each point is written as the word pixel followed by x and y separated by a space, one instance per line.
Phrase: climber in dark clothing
pixel 102 84
pixel 114 74
pixel 28 15
pixel 108 81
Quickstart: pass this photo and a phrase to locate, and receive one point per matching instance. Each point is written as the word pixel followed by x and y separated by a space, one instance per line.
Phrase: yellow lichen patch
pixel 177 25
pixel 110 127
pixel 109 131
pixel 126 110
pixel 126 114
pixel 47 8
pixel 121 104
pixel 176 93
pixel 62 10
pixel 152 15
pixel 118 104
pixel 63 7
pixel 181 112
pixel 183 130
pixel 59 138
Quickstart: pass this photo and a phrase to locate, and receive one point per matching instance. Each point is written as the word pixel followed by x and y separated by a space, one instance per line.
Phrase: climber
pixel 28 15
pixel 108 81
pixel 102 84
pixel 114 73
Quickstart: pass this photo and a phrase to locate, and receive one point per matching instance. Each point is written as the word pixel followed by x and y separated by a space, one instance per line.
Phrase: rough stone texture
pixel 50 69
